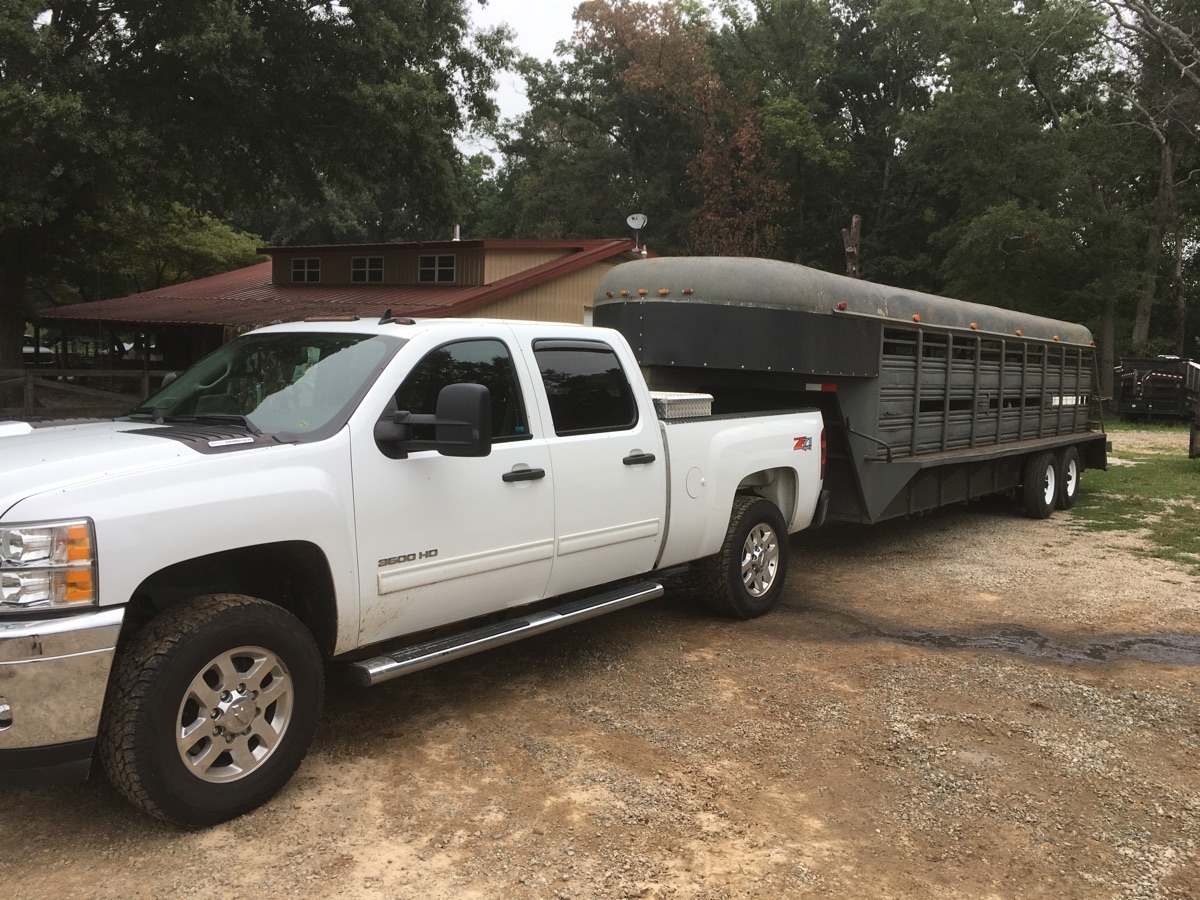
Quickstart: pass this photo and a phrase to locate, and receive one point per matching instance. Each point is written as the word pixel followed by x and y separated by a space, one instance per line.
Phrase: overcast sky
pixel 539 25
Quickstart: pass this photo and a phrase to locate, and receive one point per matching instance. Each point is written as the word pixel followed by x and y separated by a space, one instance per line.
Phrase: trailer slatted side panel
pixel 940 391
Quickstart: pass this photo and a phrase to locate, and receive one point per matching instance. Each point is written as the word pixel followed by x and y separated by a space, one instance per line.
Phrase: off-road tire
pixel 142 743
pixel 728 581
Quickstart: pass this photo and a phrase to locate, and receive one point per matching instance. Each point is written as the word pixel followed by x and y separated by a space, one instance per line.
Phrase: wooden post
pixel 852 238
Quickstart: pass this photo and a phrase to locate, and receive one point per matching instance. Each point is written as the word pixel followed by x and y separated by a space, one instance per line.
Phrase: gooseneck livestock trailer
pixel 927 401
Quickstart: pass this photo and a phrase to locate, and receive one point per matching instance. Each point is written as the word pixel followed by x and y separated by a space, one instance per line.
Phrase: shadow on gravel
pixel 1164 649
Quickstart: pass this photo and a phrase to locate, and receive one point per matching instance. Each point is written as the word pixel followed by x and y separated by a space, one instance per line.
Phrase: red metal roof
pixel 247 297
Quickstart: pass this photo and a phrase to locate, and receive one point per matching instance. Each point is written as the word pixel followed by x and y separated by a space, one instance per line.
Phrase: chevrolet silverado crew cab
pixel 388 495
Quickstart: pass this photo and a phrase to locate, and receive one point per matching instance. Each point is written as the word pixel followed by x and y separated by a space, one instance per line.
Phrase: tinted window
pixel 586 386
pixel 466 362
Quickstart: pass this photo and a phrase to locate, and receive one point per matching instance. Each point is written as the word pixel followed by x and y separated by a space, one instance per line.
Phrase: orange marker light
pixel 79 586
pixel 916 318
pixel 1019 332
pixel 974 326
pixel 78 544
pixel 662 292
pixel 642 292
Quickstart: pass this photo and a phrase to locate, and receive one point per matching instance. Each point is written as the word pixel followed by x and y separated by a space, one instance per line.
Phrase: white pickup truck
pixel 386 494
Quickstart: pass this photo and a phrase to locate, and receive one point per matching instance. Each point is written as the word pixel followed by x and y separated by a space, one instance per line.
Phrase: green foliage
pixel 601 140
pixel 232 108
pixel 996 151
pixel 142 248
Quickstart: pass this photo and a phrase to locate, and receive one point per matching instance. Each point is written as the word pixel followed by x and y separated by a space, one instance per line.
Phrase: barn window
pixel 366 269
pixel 306 270
pixel 436 269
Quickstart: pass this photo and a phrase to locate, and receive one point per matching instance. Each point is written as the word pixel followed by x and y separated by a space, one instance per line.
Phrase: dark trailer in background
pixel 1157 387
pixel 927 401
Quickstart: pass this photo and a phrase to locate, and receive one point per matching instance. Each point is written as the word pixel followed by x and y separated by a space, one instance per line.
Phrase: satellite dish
pixel 637 221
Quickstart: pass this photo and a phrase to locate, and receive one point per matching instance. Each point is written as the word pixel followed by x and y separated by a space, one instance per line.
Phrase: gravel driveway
pixel 969 704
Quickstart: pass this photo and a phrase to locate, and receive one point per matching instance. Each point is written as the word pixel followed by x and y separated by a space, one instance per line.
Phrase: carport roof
pixel 248 297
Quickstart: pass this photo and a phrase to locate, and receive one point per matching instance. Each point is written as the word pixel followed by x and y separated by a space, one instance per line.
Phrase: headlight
pixel 47 565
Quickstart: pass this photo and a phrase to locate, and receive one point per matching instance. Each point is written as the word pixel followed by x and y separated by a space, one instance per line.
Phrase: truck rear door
pixel 608 466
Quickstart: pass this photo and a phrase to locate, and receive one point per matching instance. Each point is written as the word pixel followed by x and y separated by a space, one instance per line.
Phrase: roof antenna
pixel 388 319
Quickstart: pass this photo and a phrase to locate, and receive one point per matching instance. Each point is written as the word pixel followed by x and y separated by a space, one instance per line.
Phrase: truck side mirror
pixel 464 420
pixel 462 425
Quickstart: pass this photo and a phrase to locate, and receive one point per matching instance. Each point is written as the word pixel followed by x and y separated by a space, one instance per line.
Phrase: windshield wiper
pixel 153 411
pixel 216 419
pixel 226 419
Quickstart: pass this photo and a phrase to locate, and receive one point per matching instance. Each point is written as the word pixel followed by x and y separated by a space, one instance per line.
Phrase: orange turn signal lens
pixel 79 543
pixel 80 588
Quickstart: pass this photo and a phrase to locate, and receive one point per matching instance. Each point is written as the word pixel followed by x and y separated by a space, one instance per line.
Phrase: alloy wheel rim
pixel 760 560
pixel 234 714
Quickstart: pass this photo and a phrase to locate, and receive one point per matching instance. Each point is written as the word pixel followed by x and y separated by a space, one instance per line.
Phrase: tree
pixel 1159 41
pixel 592 149
pixel 142 248
pixel 662 53
pixel 225 107
pixel 635 118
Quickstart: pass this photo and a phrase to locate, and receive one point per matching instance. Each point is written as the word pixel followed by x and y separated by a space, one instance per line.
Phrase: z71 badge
pixel 803 443
pixel 408 557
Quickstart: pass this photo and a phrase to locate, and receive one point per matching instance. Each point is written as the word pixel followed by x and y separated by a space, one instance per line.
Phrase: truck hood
pixel 52 458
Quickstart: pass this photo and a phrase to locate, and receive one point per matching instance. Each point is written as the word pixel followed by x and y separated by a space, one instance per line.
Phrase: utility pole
pixel 852 238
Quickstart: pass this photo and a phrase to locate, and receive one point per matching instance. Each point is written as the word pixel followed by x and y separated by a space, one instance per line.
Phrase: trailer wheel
pixel 1068 476
pixel 745 578
pixel 1040 492
pixel 212 708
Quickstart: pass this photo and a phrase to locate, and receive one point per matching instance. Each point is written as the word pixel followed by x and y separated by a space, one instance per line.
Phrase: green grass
pixel 1113 424
pixel 1154 492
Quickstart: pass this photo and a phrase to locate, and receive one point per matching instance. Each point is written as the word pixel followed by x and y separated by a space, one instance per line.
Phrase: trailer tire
pixel 1068 477
pixel 1040 490
pixel 211 709
pixel 745 578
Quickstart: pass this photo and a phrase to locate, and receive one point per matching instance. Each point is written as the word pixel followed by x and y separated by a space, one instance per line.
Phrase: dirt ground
pixel 970 704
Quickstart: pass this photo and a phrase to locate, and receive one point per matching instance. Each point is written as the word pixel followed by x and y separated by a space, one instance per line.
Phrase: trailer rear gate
pixel 928 401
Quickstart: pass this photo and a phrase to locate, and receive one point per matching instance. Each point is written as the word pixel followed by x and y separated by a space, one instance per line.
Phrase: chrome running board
pixel 431 653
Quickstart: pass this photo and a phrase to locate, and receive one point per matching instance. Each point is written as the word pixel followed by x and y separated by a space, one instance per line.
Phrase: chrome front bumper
pixel 53 676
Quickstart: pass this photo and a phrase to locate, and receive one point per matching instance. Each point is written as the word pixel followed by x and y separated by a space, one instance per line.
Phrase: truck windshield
pixel 294 385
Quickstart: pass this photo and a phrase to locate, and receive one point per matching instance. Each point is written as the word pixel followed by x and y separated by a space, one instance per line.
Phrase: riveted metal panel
pixel 745 338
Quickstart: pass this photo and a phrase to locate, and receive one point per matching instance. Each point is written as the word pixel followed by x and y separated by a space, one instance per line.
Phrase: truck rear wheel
pixel 1040 491
pixel 1068 476
pixel 746 576
pixel 212 708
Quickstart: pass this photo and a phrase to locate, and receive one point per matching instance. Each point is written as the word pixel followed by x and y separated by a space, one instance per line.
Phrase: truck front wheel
pixel 211 709
pixel 746 576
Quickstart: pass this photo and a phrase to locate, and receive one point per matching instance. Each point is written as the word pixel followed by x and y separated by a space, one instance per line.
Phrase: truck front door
pixel 444 539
